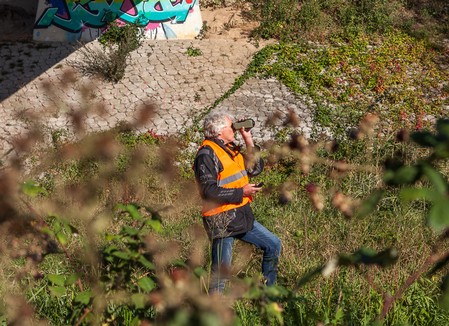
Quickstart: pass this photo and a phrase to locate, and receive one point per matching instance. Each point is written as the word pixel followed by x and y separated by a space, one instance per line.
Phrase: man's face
pixel 227 133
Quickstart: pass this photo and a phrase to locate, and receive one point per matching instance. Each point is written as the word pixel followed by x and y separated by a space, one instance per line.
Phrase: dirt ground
pixel 226 23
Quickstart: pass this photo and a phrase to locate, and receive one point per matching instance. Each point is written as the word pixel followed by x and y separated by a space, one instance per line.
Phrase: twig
pixel 86 311
pixel 347 166
pixel 373 285
pixel 389 300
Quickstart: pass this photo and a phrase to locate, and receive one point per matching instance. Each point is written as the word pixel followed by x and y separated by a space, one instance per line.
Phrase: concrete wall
pixel 85 20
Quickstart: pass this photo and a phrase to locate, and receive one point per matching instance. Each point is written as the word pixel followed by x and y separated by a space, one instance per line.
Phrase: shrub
pixel 289 20
pixel 110 61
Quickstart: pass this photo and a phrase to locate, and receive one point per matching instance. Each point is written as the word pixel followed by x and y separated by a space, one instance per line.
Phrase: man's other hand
pixel 251 189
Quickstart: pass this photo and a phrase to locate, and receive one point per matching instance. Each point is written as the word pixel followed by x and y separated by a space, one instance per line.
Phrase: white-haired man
pixel 222 173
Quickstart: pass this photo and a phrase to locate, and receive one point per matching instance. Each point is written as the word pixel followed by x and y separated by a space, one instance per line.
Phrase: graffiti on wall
pixel 76 16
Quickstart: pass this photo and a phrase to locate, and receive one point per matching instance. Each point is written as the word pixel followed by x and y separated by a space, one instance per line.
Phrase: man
pixel 222 174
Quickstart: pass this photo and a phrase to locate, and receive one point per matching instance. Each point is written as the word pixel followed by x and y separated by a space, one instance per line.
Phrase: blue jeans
pixel 222 255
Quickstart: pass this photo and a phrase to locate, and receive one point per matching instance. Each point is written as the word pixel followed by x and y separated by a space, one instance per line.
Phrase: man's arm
pixel 253 162
pixel 206 169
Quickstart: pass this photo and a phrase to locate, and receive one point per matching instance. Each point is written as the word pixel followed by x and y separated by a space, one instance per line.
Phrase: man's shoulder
pixel 205 150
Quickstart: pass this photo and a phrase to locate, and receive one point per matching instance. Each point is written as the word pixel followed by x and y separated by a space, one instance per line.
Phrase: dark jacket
pixel 207 166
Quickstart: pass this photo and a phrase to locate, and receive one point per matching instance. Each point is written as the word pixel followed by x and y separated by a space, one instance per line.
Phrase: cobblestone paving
pixel 34 80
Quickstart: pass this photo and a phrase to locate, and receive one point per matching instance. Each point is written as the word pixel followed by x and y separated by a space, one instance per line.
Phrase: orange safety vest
pixel 233 175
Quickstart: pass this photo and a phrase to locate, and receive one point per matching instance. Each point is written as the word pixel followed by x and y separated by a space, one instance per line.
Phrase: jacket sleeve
pixel 206 167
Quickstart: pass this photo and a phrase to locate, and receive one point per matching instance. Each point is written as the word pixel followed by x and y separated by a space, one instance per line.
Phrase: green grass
pixel 351 295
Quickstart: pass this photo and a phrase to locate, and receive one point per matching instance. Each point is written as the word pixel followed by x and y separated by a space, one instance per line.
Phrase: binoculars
pixel 247 124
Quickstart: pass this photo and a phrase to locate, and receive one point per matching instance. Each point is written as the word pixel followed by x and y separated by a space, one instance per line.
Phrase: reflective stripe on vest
pixel 232 178
pixel 233 175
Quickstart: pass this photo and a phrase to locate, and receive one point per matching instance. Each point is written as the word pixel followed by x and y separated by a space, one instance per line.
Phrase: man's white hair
pixel 214 123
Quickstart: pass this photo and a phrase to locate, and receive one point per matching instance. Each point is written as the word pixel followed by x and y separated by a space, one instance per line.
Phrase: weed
pixel 203 32
pixel 129 36
pixel 110 61
pixel 193 52
pixel 197 97
pixel 58 137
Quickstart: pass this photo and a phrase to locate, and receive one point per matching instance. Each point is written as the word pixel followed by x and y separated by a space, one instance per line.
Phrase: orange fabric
pixel 233 176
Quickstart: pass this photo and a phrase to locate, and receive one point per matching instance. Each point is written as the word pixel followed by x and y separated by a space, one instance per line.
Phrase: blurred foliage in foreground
pixel 106 230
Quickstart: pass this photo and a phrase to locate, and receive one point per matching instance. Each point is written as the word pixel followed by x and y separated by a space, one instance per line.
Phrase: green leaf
pixel 438 217
pixel 209 319
pixel 442 150
pixel 155 225
pixel 254 293
pixel 56 279
pixel 274 310
pixel 435 178
pixel 130 241
pixel 200 272
pixel 71 279
pixel 146 263
pixel 61 238
pixel 443 127
pixel 138 300
pixel 410 194
pixel 405 175
pixel 129 230
pixel 369 204
pixel 368 256
pixel 275 291
pixel 135 322
pixel 83 297
pixel 339 314
pixel 444 298
pixel 56 225
pixel 121 254
pixel 111 237
pixel 110 249
pixel 48 231
pixel 33 189
pixel 57 291
pixel 132 210
pixel 146 284
pixel 424 138
pixel 309 276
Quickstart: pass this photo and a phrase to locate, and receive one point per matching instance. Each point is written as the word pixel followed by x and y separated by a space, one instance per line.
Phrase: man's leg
pixel 221 263
pixel 271 246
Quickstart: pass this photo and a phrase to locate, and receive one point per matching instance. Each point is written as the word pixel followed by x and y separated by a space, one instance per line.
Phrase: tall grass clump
pixel 111 58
